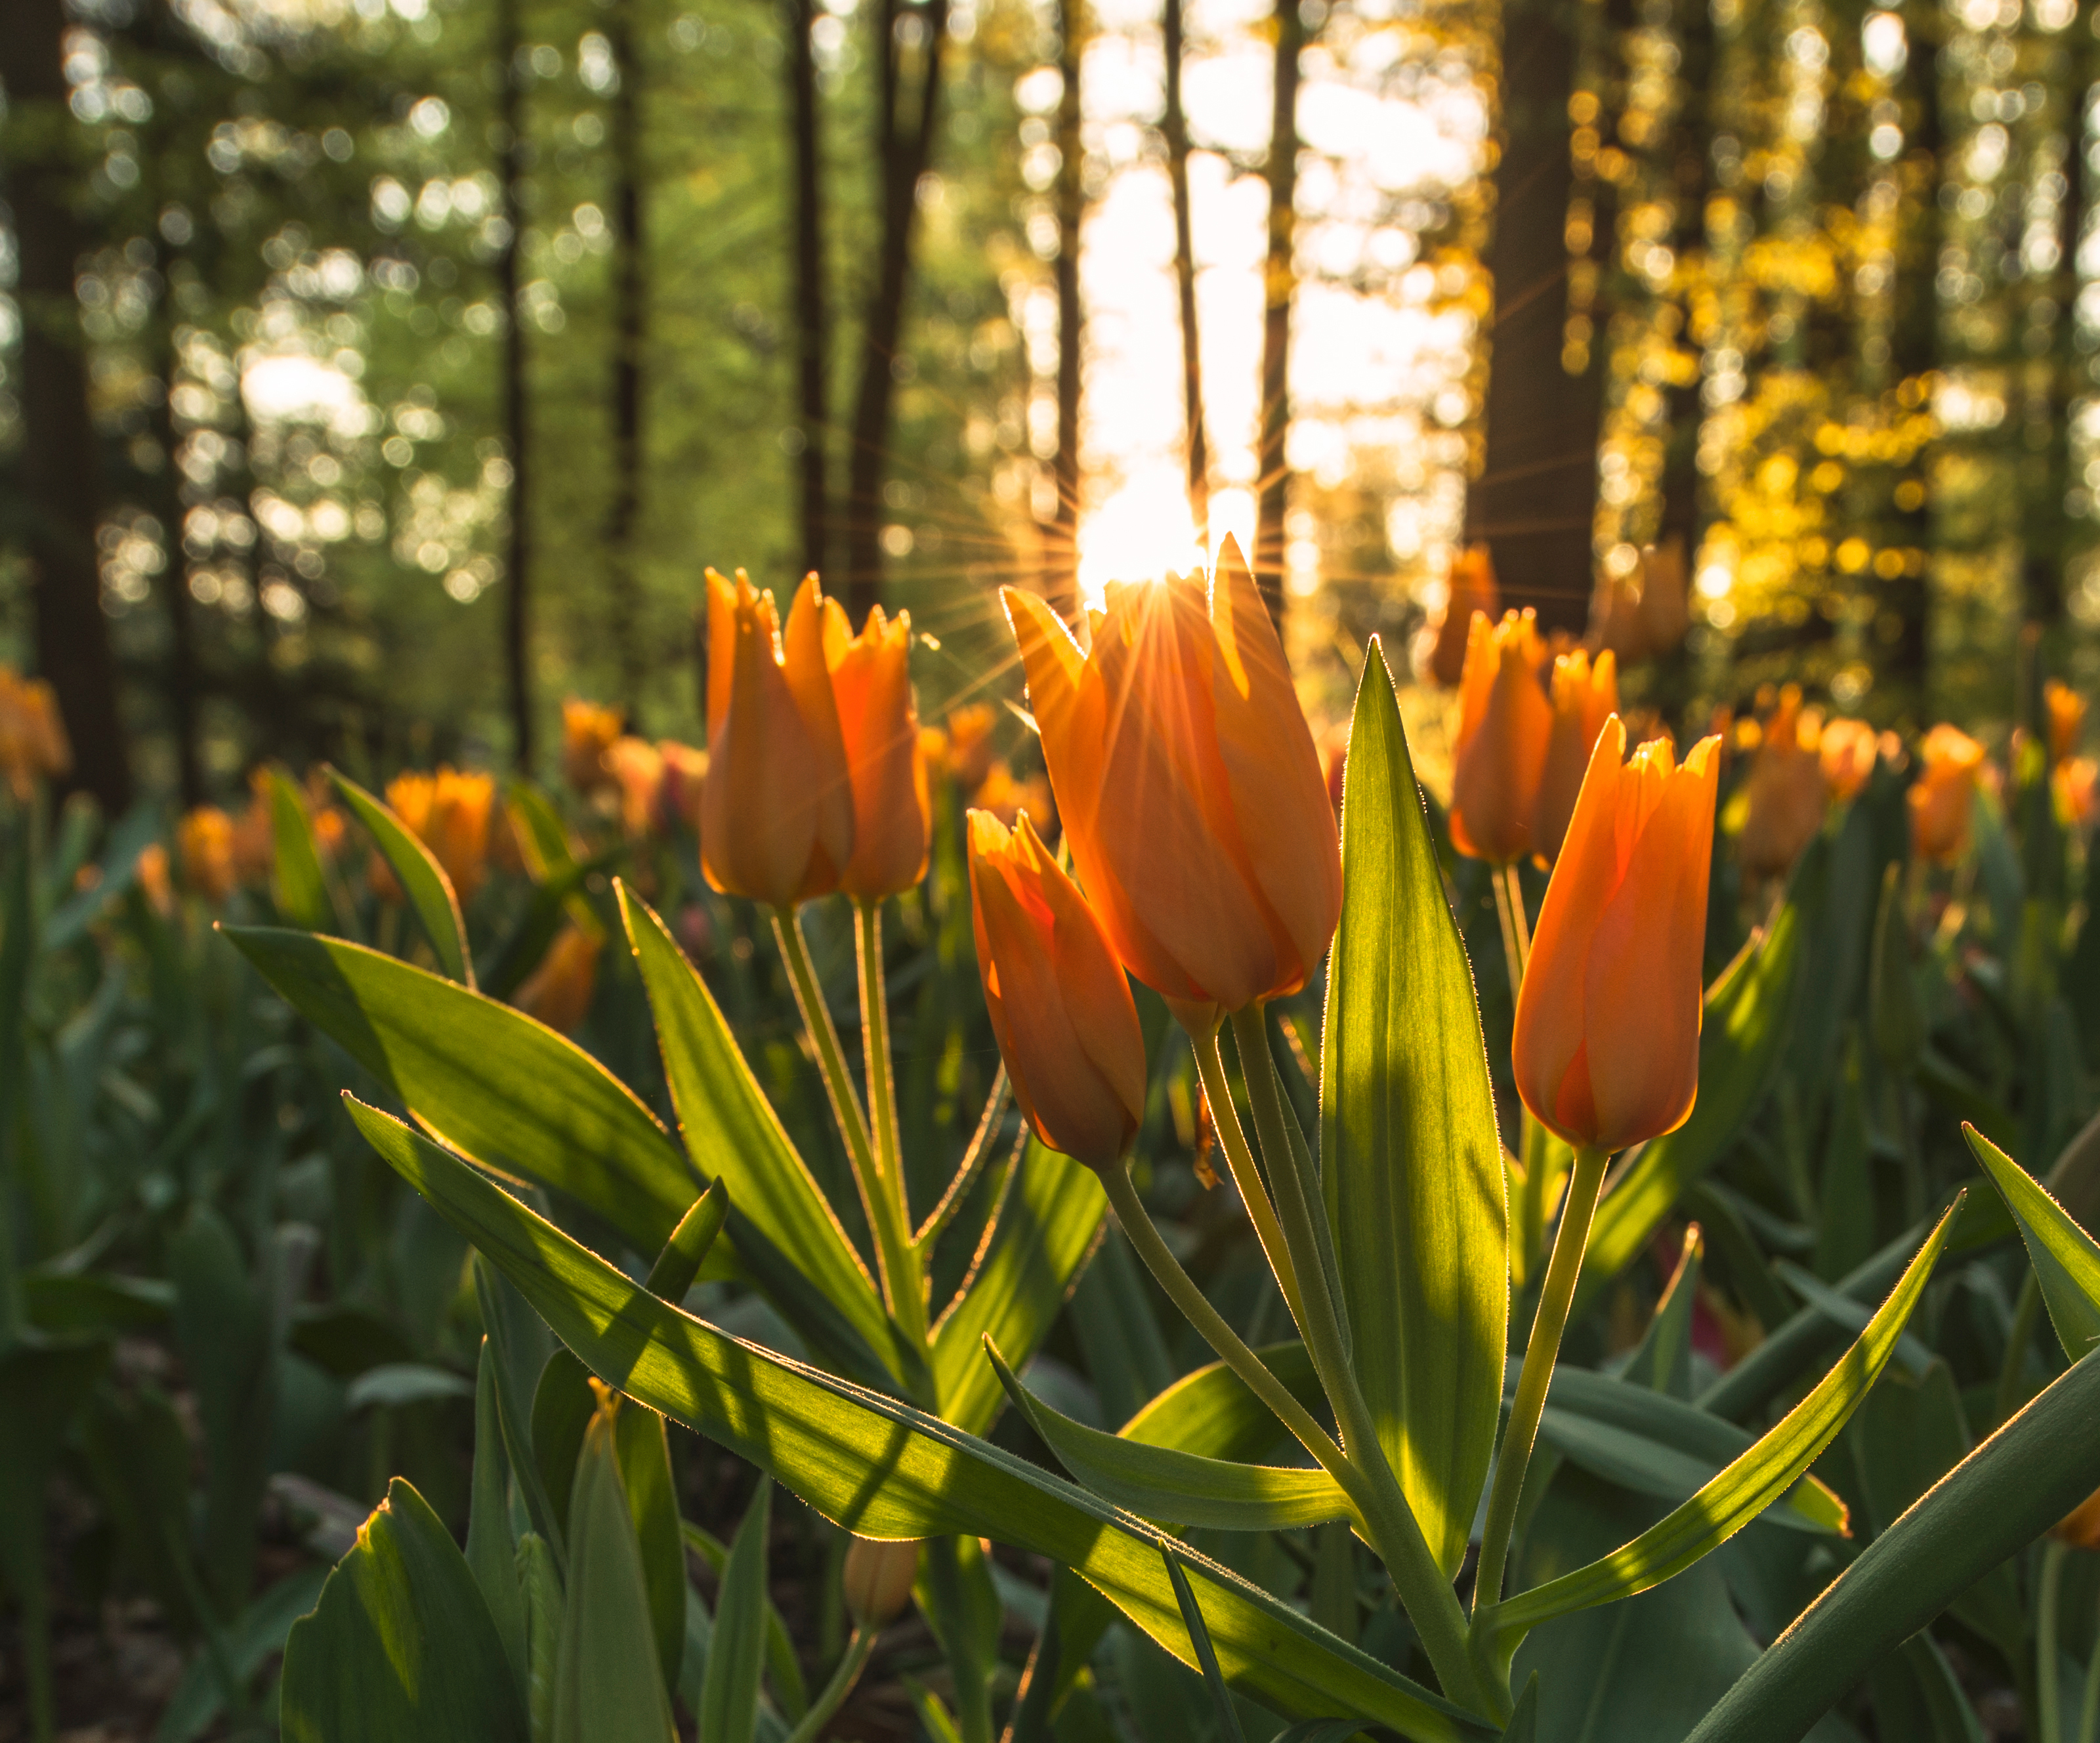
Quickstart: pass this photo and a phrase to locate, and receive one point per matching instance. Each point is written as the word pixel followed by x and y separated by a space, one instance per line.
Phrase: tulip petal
pixel 831 795
pixel 1279 794
pixel 722 596
pixel 1548 1033
pixel 870 678
pixel 753 841
pixel 1505 724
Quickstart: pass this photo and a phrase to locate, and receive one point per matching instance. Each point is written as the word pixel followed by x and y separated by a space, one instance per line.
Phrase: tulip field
pixel 1122 1218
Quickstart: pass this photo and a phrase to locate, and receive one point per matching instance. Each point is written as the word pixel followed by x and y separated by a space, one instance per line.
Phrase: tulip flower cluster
pixel 1944 793
pixel 33 737
pixel 1802 764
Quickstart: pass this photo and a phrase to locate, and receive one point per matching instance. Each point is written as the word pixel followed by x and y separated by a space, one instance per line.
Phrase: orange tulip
pixel 1066 1024
pixel 777 808
pixel 448 813
pixel 1606 1047
pixel 1847 750
pixel 1006 796
pixel 1943 792
pixel 33 737
pixel 1472 588
pixel 255 836
pixel 2065 710
pixel 2076 780
pixel 971 750
pixel 1788 795
pixel 685 773
pixel 1505 724
pixel 153 878
pixel 1188 787
pixel 558 992
pixel 587 732
pixel 892 801
pixel 636 767
pixel 1585 696
pixel 204 843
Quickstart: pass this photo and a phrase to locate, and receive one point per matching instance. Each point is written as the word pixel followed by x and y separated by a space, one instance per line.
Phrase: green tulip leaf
pixel 431 897
pixel 1176 1488
pixel 736 1655
pixel 1214 1412
pixel 879 1468
pixel 2066 1261
pixel 300 891
pixel 1411 1158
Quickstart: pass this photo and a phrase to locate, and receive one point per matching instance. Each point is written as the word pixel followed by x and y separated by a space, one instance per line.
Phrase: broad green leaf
pixel 2066 1261
pixel 1177 1488
pixel 491 1551
pixel 401 1645
pixel 1206 1656
pixel 1524 1721
pixel 644 1451
pixel 1742 1034
pixel 1659 1445
pixel 1999 1498
pixel 608 1683
pixel 879 1468
pixel 539 1582
pixel 958 1599
pixel 736 1654
pixel 1046 1228
pixel 300 891
pixel 393 1384
pixel 731 1132
pixel 562 1408
pixel 422 880
pixel 520 1345
pixel 497 1086
pixel 1213 1412
pixel 1411 1158
pixel 1748 1486
pixel 676 1266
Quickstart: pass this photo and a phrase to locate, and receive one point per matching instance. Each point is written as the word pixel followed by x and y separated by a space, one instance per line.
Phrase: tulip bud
pixel 1945 791
pixel 777 808
pixel 1585 696
pixel 153 878
pixel 1471 590
pixel 878 1579
pixel 2065 711
pixel 1189 785
pixel 1505 724
pixel 1847 750
pixel 892 803
pixel 1606 1047
pixel 2076 782
pixel 558 992
pixel 587 732
pixel 1786 790
pixel 204 843
pixel 971 748
pixel 32 738
pixel 1066 1024
pixel 636 767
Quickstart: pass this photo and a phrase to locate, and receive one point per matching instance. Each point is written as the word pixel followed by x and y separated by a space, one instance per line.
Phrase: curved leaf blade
pixel 422 880
pixel 1749 1486
pixel 1176 1488
pixel 2066 1261
pixel 497 1086
pixel 883 1469
pixel 1214 1412
pixel 2013 1487
pixel 732 1134
pixel 300 891
pixel 1411 1157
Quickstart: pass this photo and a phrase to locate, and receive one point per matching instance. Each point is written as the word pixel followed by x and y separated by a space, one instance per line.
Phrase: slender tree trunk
pixel 807 142
pixel 1534 503
pixel 1061 546
pixel 1279 280
pixel 630 332
pixel 1174 125
pixel 905 145
pixel 61 476
pixel 182 678
pixel 517 616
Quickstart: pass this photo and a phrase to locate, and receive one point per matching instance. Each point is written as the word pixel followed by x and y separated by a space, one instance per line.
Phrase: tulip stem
pixel 859 1649
pixel 989 1125
pixel 1516 925
pixel 1554 1300
pixel 902 1282
pixel 1239 1157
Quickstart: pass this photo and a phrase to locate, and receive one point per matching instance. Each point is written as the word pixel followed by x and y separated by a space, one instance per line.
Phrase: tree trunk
pixel 1174 125
pixel 1061 546
pixel 904 149
pixel 807 145
pixel 1534 503
pixel 61 476
pixel 1279 279
pixel 517 619
pixel 629 330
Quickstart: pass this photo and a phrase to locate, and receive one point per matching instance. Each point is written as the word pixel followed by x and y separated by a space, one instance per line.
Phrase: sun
pixel 1142 532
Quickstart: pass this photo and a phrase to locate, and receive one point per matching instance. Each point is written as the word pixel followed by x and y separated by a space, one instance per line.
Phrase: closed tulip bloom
pixel 1943 792
pixel 1585 695
pixel 1788 795
pixel 2076 782
pixel 1472 588
pixel 893 802
pixel 587 732
pixel 971 748
pixel 1847 751
pixel 1606 1047
pixel 559 991
pixel 1066 1024
pixel 636 769
pixel 1188 787
pixel 32 738
pixel 203 844
pixel 877 1579
pixel 777 808
pixel 1505 724
pixel 2065 710
pixel 449 812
